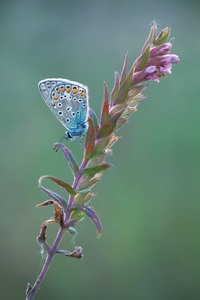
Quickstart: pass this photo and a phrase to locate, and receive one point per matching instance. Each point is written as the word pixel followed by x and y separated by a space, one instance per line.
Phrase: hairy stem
pixel 57 240
pixel 46 265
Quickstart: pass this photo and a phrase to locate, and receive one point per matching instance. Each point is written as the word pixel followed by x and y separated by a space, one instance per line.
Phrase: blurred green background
pixel 149 205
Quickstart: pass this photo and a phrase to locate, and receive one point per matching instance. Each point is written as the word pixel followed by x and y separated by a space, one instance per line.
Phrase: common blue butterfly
pixel 68 100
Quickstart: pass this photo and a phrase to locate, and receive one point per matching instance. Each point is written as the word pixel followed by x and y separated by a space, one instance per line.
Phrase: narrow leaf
pixel 95 170
pixel 151 36
pixel 91 213
pixel 115 88
pixel 58 199
pixel 90 140
pixel 94 118
pixel 123 73
pixel 105 106
pixel 69 156
pixel 123 91
pixel 82 199
pixel 108 127
pixel 45 203
pixel 61 183
pixel 162 37
pixel 142 59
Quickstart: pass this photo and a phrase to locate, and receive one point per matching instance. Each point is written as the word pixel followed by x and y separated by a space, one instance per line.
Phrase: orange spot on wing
pixel 68 89
pixel 74 89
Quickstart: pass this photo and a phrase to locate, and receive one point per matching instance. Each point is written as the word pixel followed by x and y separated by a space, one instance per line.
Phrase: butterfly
pixel 68 100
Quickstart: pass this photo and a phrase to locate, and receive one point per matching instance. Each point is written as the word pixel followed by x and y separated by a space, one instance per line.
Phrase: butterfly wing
pixel 68 100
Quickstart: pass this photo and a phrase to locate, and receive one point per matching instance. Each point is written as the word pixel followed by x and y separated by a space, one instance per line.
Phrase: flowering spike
pixel 154 62
pixel 105 106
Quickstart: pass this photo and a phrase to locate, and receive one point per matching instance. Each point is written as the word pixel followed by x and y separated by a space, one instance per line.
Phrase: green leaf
pixel 105 105
pixel 81 199
pixel 90 140
pixel 123 73
pixel 162 37
pixel 115 88
pixel 78 215
pixel 94 118
pixel 95 170
pixel 91 213
pixel 151 36
pixel 123 91
pixel 57 198
pixel 143 59
pixel 108 127
pixel 69 156
pixel 61 183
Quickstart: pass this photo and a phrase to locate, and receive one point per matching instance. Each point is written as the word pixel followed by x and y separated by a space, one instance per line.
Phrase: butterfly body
pixel 68 100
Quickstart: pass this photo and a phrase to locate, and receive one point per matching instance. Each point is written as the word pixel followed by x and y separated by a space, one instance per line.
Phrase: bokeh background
pixel 149 205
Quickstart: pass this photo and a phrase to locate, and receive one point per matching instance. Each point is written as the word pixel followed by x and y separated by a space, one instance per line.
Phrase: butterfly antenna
pixel 58 144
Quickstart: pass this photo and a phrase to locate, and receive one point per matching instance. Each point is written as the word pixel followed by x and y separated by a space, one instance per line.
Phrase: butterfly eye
pixel 67 120
pixel 60 113
pixel 74 99
pixel 68 108
pixel 79 100
pixel 59 104
pixel 84 105
pixel 73 114
pixel 61 97
pixel 70 97
pixel 78 112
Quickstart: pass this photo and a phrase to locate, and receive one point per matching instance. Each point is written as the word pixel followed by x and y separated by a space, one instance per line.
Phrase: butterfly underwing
pixel 68 100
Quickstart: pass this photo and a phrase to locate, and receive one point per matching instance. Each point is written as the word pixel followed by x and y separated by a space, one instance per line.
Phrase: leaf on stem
pixel 105 106
pixel 58 199
pixel 97 169
pixel 143 59
pixel 59 182
pixel 115 88
pixel 90 140
pixel 108 127
pixel 94 118
pixel 91 213
pixel 69 156
pixel 123 90
pixel 162 37
pixel 123 73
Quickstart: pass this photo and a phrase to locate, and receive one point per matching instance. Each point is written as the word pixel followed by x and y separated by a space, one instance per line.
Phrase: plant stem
pixel 75 184
pixel 57 240
pixel 46 265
